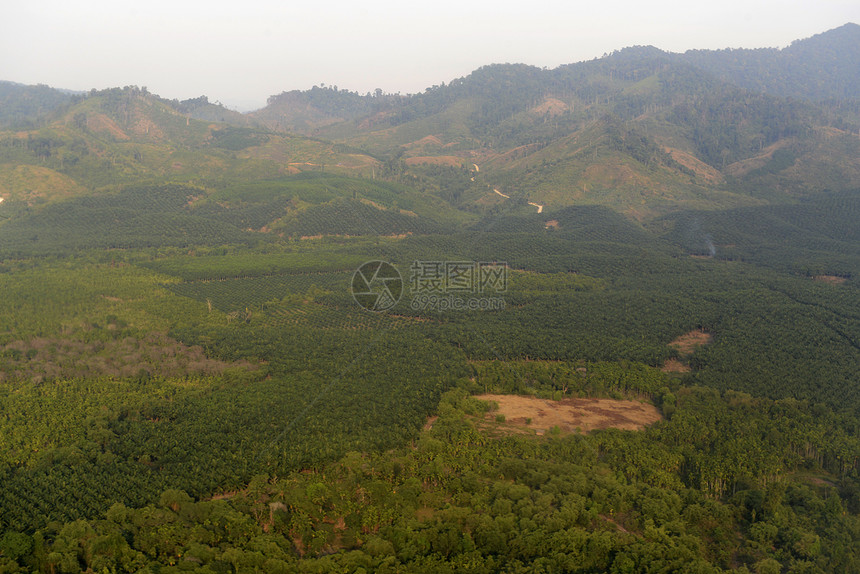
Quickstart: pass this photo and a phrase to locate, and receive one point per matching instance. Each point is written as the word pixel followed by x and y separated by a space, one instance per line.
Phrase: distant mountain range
pixel 824 67
pixel 641 130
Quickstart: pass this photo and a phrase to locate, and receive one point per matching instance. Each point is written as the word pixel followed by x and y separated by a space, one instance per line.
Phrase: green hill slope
pixel 640 130
pixel 122 136
pixel 24 107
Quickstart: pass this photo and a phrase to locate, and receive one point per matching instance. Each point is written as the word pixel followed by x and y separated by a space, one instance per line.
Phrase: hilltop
pixel 105 140
pixel 821 68
pixel 640 130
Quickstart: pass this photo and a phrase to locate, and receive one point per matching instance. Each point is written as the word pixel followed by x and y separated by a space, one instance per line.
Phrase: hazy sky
pixel 241 52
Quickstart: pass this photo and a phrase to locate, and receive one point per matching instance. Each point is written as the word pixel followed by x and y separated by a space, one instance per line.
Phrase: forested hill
pixel 824 67
pixel 303 111
pixel 21 106
pixel 640 130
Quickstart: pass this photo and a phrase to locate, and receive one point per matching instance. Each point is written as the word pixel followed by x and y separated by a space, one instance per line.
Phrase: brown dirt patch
pixel 449 160
pixel 614 522
pixel 224 495
pixel 570 414
pixel 831 131
pixel 146 127
pixel 551 223
pixel 674 366
pixel 424 514
pixel 689 342
pixel 551 107
pixel 101 123
pixel 697 166
pixel 832 279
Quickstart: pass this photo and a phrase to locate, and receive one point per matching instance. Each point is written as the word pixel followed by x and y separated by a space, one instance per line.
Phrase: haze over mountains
pixel 640 130
pixel 206 367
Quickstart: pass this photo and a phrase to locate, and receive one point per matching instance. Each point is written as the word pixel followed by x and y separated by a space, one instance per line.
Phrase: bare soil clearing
pixel 832 279
pixel 100 123
pixel 571 414
pixel 674 366
pixel 447 160
pixel 686 345
pixel 550 107
pixel 689 342
pixel 700 168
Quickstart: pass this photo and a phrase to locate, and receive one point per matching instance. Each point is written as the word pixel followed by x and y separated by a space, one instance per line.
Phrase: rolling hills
pixel 641 130
pixel 193 376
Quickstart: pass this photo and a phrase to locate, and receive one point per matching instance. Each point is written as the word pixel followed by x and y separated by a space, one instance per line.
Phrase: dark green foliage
pixel 815 237
pixel 582 223
pixel 269 201
pixel 181 216
pixel 607 502
pixel 728 124
pixel 304 414
pixel 143 216
pixel 251 216
pixel 598 298
pixel 352 217
pixel 235 139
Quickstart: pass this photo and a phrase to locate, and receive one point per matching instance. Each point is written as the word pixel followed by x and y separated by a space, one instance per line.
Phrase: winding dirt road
pixel 496 191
